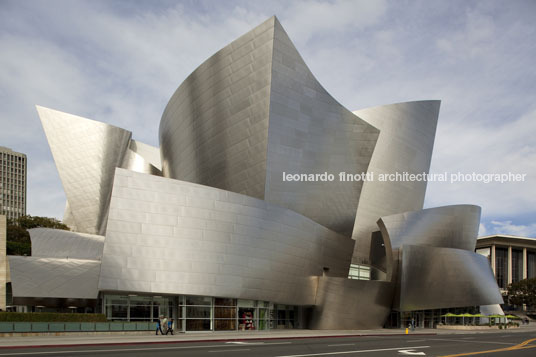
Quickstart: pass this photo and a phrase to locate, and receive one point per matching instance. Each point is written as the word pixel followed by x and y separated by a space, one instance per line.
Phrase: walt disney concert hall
pixel 207 229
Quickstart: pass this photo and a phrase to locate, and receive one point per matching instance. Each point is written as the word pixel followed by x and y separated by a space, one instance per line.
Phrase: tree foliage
pixel 523 292
pixel 17 234
pixel 29 222
pixel 18 238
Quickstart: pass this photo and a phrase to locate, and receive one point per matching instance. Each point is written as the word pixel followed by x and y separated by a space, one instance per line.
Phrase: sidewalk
pixel 149 337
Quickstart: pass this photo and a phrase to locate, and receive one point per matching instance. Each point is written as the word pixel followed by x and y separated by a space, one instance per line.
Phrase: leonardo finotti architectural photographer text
pixel 406 176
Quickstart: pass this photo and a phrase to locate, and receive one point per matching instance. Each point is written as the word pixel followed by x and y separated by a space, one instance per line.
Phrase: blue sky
pixel 120 61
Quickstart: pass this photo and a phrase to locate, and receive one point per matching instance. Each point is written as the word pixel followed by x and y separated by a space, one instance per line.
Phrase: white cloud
pixel 507 227
pixel 475 38
pixel 306 19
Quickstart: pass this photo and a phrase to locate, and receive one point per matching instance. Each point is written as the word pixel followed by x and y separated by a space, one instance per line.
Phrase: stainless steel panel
pixel 68 218
pixel 351 304
pixel 448 226
pixel 310 132
pixel 57 243
pixel 150 153
pixel 54 278
pixel 133 161
pixel 495 309
pixel 214 129
pixel 407 132
pixel 253 111
pixel 433 277
pixel 219 243
pixel 441 227
pixel 86 153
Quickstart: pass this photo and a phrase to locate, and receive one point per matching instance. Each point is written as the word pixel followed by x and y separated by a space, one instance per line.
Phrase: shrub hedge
pixel 50 317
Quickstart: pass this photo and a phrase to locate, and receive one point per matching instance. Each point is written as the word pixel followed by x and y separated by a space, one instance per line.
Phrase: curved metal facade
pixel 209 213
pixel 310 132
pixel 57 243
pixel 86 153
pixel 434 261
pixel 135 162
pixel 214 130
pixel 35 277
pixel 348 304
pixel 448 226
pixel 254 111
pixel 407 132
pixel 433 277
pixel 150 154
pixel 170 236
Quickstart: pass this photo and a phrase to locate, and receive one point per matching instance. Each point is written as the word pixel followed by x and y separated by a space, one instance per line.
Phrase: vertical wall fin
pixel 86 153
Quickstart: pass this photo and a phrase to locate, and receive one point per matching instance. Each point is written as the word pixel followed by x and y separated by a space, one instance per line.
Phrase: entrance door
pixel 246 318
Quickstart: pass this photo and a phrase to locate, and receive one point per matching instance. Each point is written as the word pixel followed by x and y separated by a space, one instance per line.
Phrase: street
pixel 509 343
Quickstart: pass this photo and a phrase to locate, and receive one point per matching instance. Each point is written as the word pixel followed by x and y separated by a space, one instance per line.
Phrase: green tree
pixel 17 234
pixel 18 238
pixel 523 292
pixel 29 222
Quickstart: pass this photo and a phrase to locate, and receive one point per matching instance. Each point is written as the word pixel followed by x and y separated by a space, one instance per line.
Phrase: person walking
pixel 164 323
pixel 170 326
pixel 158 327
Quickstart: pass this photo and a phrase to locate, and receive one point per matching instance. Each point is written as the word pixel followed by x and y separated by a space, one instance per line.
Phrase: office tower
pixel 12 183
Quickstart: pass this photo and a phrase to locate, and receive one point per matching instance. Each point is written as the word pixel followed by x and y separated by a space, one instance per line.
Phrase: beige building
pixel 512 258
pixel 12 183
pixel 3 263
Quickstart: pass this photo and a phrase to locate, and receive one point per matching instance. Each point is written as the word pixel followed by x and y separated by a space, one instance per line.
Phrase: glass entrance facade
pixel 202 313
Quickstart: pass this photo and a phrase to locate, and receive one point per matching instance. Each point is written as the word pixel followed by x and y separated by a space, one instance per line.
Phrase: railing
pixel 75 326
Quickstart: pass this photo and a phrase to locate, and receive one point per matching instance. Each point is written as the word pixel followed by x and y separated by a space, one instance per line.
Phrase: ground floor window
pixel 201 313
pixel 136 308
pixel 225 314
